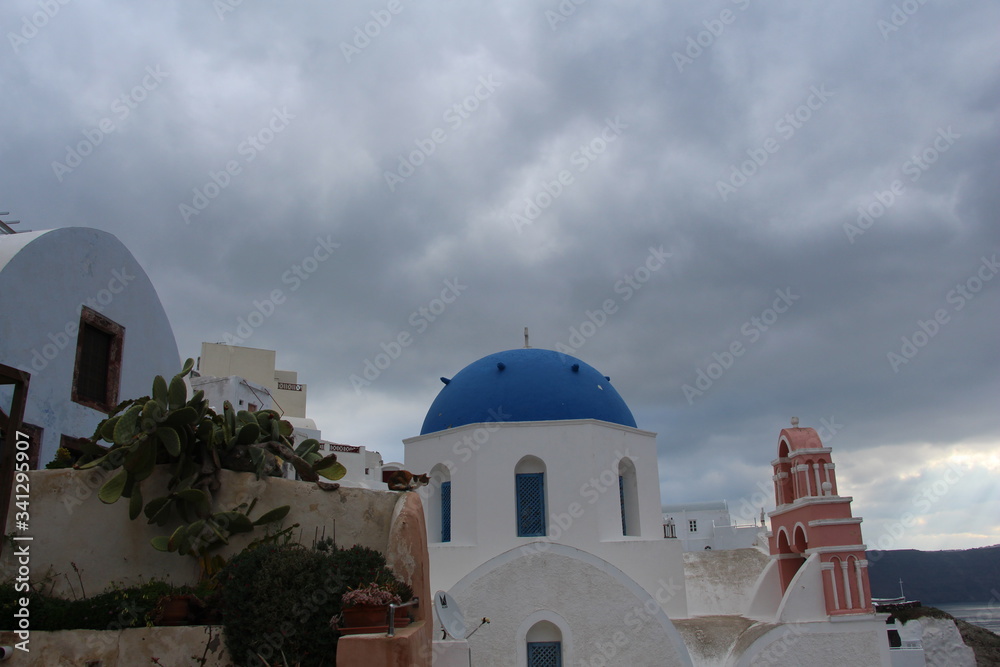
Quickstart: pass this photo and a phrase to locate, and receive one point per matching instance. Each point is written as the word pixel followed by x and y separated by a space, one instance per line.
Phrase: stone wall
pixel 71 526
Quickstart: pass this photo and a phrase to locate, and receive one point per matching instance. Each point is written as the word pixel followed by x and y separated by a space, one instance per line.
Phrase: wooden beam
pixel 20 380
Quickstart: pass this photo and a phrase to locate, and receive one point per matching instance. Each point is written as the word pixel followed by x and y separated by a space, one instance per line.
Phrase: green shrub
pixel 113 609
pixel 277 601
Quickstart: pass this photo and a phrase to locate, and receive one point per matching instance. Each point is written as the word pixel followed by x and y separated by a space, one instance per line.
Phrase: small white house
pixel 253 383
pixel 257 366
pixel 364 467
pixel 709 525
pixel 80 316
pixel 241 393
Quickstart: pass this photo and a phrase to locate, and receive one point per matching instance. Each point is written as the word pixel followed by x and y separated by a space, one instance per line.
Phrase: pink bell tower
pixel 812 519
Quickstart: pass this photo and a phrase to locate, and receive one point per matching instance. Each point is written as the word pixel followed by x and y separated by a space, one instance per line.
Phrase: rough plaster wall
pixel 843 649
pixel 186 645
pixel 597 607
pixel 406 552
pixel 943 645
pixel 710 639
pixel 721 582
pixel 73 525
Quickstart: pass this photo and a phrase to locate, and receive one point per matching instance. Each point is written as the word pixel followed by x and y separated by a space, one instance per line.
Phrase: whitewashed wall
pixel 582 504
pixel 603 617
pixel 45 277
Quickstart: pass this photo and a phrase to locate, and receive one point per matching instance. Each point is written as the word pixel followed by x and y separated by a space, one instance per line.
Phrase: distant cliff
pixel 968 575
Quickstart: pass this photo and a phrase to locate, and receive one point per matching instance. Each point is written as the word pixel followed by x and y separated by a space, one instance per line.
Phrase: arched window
pixel 801 542
pixel 809 488
pixel 544 645
pixel 793 553
pixel 529 479
pixel 628 494
pixel 439 504
pixel 853 581
pixel 784 482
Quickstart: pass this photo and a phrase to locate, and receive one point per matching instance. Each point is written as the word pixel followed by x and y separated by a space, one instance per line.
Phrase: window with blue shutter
pixel 530 504
pixel 544 654
pixel 446 511
pixel 621 499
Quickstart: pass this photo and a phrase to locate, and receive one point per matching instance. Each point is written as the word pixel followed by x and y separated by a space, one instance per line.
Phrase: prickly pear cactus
pixel 195 443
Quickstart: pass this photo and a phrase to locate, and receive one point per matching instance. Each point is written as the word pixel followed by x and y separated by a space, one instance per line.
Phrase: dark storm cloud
pixel 844 156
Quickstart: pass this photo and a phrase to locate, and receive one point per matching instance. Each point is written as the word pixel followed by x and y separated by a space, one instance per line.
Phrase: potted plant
pixel 366 609
pixel 177 609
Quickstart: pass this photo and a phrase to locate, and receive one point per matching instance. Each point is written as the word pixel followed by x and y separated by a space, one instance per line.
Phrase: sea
pixel 985 615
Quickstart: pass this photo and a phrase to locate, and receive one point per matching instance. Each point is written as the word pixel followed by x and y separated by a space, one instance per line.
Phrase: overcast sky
pixel 739 211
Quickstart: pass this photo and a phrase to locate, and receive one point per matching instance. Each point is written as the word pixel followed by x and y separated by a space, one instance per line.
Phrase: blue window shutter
pixel 544 654
pixel 446 511
pixel 530 504
pixel 621 499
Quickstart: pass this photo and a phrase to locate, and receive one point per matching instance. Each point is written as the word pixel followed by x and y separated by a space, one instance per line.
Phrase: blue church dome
pixel 528 384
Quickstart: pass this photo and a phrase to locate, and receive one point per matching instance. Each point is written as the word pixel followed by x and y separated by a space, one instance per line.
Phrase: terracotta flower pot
pixel 363 619
pixel 174 610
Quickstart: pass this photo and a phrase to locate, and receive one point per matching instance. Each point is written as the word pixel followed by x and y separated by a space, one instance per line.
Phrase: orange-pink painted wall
pixel 801 500
pixel 406 553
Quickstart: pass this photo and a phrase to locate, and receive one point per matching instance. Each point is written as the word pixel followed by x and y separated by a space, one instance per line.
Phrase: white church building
pixel 544 515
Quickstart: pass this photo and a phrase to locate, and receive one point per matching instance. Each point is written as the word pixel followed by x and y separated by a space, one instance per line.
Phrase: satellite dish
pixel 450 615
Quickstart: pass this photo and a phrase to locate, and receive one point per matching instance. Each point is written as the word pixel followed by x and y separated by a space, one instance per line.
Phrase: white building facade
pixel 549 526
pixel 544 515
pixel 288 395
pixel 251 382
pixel 709 525
pixel 80 316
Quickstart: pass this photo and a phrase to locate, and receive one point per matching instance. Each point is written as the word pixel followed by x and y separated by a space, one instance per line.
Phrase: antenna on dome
pixel 4 229
pixel 526 345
